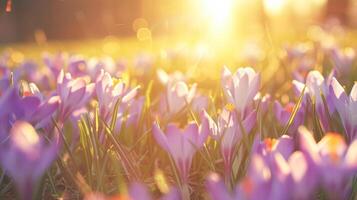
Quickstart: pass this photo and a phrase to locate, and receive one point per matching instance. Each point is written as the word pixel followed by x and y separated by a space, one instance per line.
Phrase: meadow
pixel 118 118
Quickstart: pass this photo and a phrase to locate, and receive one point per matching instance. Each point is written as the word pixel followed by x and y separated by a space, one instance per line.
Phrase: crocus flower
pixel 138 191
pixel 282 114
pixel 346 107
pixel 228 132
pixel 304 66
pixel 240 88
pixel 275 172
pixel 55 63
pixel 129 114
pixel 143 63
pixel 108 93
pixel 31 107
pixel 263 181
pixel 261 102
pixel 284 146
pixel 217 190
pixel 135 110
pixel 336 162
pixel 182 144
pixel 26 155
pixel 96 65
pixel 316 86
pixel 165 78
pixel 178 97
pixel 74 94
pixel 199 103
pixel 343 59
pixel 77 66
pixel 297 51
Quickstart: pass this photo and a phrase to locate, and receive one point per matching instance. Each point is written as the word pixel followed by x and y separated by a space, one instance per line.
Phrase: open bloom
pixel 74 94
pixel 336 163
pixel 26 155
pixel 182 144
pixel 346 107
pixel 316 86
pixel 228 132
pixel 240 88
pixel 178 96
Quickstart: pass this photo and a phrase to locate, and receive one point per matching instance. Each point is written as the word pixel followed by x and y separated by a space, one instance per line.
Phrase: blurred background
pixel 40 20
pixel 195 32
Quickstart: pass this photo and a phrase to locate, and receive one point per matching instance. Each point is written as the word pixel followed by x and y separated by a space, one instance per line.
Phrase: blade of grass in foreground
pixel 70 153
pixel 316 122
pixel 293 114
pixel 327 111
pixel 127 162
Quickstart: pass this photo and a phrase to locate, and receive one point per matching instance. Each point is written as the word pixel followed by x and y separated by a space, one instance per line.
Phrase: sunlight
pixel 218 13
pixel 274 7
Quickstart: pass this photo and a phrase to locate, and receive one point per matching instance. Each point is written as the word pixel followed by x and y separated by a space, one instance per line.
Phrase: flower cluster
pixel 111 131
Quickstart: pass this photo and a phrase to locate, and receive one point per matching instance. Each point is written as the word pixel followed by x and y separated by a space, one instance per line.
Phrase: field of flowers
pixel 276 122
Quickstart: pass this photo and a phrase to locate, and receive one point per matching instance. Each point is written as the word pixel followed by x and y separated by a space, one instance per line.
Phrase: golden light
pixel 218 13
pixel 274 7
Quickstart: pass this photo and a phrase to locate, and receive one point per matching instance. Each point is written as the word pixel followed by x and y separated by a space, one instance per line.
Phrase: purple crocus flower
pixel 240 88
pixel 134 111
pixel 77 66
pixel 297 52
pixel 227 131
pixel 178 97
pixel 96 65
pixel 182 144
pixel 165 78
pixel 26 155
pixel 143 63
pixel 55 63
pixel 129 114
pixel 282 114
pixel 108 93
pixel 199 103
pixel 301 180
pixel 138 191
pixel 263 103
pixel 263 181
pixel 342 59
pixel 317 85
pixel 32 108
pixel 346 107
pixel 284 146
pixel 217 190
pixel 74 94
pixel 334 161
pixel 274 172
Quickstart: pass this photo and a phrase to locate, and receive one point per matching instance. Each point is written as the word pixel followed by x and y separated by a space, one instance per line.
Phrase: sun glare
pixel 218 13
pixel 273 7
